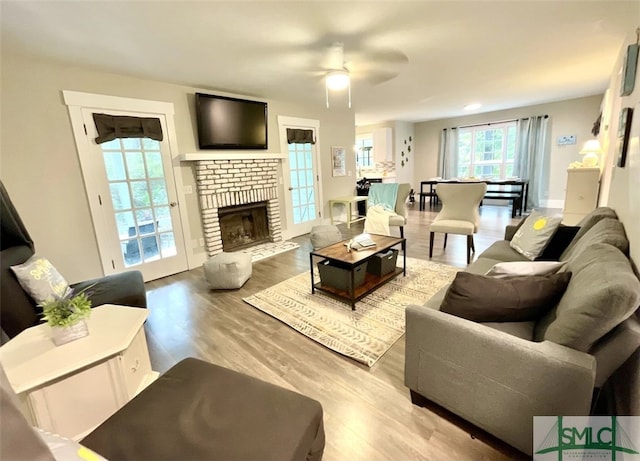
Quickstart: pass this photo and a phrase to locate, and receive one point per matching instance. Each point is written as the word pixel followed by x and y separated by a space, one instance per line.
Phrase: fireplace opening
pixel 243 225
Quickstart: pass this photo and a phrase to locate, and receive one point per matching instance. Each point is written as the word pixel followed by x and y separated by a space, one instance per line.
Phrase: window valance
pixel 111 127
pixel 298 136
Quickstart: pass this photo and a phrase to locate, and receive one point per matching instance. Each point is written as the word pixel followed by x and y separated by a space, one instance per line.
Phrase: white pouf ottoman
pixel 324 235
pixel 227 270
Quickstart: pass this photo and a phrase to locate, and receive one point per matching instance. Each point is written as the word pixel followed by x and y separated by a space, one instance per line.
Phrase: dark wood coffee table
pixel 350 260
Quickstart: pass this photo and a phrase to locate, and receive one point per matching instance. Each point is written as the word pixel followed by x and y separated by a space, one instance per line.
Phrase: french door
pixel 301 179
pixel 134 202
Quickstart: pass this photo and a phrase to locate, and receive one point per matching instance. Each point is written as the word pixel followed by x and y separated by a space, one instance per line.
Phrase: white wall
pixel 39 163
pixel 405 142
pixel 623 193
pixel 571 117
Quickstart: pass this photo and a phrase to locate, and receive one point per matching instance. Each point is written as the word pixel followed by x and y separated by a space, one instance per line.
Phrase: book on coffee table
pixel 361 242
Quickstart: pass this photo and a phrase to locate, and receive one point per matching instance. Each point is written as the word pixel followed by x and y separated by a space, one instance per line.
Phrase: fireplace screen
pixel 244 225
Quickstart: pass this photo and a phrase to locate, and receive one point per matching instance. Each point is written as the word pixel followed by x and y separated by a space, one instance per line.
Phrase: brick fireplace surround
pixel 223 183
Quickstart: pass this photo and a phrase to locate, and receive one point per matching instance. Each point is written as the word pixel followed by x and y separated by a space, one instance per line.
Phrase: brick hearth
pixel 224 183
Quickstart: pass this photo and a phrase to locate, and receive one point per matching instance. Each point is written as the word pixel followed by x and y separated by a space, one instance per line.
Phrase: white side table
pixel 348 203
pixel 72 388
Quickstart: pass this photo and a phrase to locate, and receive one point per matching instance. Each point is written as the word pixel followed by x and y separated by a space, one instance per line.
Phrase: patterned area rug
pixel 366 333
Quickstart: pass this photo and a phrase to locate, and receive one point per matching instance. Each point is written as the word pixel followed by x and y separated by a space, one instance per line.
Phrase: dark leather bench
pixel 196 411
pixel 200 411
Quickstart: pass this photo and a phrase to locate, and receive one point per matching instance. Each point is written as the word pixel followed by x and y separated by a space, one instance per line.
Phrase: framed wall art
pixel 629 67
pixel 624 128
pixel 338 161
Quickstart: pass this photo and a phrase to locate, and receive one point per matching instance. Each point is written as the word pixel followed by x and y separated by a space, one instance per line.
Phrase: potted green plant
pixel 66 315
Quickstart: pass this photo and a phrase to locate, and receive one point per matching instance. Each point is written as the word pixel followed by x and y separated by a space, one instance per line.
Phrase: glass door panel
pixel 139 195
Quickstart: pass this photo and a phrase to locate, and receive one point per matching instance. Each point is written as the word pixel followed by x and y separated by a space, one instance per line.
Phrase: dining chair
pixel 459 213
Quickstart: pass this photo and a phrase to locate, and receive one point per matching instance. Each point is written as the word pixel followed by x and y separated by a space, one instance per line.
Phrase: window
pixel 487 151
pixel 364 146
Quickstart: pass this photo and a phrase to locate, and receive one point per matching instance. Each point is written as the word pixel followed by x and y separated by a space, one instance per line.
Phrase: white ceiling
pixel 434 57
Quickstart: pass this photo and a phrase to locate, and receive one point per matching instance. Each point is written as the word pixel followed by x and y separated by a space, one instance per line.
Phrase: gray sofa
pixel 499 375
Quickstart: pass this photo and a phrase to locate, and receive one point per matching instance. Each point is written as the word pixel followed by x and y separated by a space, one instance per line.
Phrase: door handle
pixel 291 188
pixel 172 204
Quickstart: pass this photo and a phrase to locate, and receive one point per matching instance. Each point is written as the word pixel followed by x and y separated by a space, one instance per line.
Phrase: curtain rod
pixel 497 123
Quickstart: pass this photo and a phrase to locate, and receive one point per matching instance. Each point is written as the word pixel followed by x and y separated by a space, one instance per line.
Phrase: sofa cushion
pixel 512 299
pixel 603 292
pixel 511 268
pixel 559 242
pixel 482 265
pixel 535 234
pixel 522 330
pixel 607 230
pixel 502 251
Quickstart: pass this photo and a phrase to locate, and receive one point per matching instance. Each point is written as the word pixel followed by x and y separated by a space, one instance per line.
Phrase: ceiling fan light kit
pixel 337 80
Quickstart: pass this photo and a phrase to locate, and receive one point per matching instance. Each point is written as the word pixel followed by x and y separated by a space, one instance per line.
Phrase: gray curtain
pixel 111 127
pixel 532 157
pixel 448 155
pixel 298 136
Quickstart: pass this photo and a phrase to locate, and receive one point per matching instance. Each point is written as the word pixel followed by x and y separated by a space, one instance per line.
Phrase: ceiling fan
pixel 375 66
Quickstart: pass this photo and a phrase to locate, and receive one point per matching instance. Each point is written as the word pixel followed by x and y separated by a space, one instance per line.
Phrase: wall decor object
pixel 624 127
pixel 629 67
pixel 596 125
pixel 338 161
pixel 404 154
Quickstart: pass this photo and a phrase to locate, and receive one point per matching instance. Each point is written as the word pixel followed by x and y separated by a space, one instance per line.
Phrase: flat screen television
pixel 230 123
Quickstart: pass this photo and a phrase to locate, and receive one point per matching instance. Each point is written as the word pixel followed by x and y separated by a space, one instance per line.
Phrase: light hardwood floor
pixel 368 414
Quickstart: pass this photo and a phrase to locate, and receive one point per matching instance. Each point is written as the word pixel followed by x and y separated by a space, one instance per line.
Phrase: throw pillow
pixel 534 234
pixel 507 269
pixel 512 299
pixel 559 242
pixel 40 279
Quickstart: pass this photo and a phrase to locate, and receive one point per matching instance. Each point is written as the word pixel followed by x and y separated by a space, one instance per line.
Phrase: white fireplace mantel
pixel 226 155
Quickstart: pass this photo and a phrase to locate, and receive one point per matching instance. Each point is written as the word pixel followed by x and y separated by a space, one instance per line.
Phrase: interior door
pixel 302 183
pixel 137 222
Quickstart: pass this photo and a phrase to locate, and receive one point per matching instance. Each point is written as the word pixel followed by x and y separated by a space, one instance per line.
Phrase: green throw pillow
pixel 535 233
pixel 511 299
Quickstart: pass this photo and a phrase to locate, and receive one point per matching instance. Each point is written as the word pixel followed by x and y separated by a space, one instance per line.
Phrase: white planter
pixel 63 335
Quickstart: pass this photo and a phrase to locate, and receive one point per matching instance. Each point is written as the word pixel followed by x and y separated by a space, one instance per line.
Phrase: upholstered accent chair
pixel 459 213
pixel 400 218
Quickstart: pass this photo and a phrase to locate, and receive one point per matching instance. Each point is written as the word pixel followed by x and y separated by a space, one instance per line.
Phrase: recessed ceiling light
pixel 474 106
